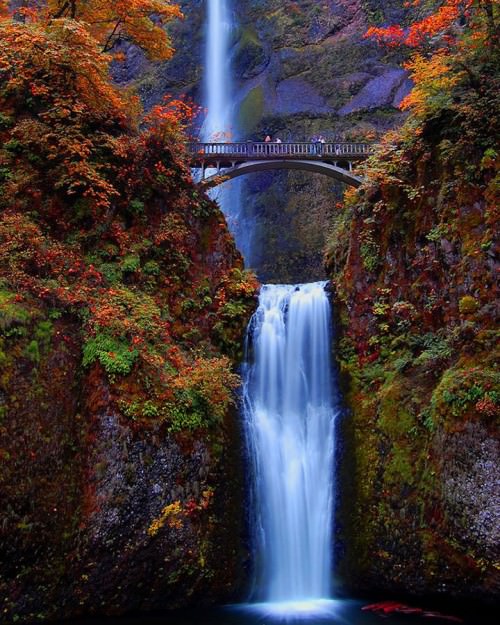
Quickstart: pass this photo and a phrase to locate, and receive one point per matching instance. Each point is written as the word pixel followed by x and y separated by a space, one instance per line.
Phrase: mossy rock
pixel 398 470
pixel 394 418
pixel 250 57
pixel 251 110
pixel 468 305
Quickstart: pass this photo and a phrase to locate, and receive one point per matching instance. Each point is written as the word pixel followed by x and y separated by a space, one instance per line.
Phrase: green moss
pixel 136 409
pixel 32 352
pixel 151 268
pixel 189 413
pixel 130 263
pixel 399 468
pixel 44 332
pixel 136 207
pixel 251 110
pixel 441 231
pixel 11 312
pixel 337 245
pixel 250 54
pixel 115 355
pixel 370 255
pixel 6 121
pixel 394 418
pixel 436 347
pixel 460 390
pixel 112 272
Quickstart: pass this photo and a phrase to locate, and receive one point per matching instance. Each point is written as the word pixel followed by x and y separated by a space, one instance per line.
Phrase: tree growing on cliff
pixel 109 23
pixel 455 43
pixel 441 27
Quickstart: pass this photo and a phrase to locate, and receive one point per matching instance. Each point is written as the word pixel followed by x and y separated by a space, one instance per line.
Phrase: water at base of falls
pixel 289 421
pixel 344 612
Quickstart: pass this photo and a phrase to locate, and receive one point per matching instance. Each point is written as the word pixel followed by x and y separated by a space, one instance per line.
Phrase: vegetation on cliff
pixel 412 257
pixel 122 306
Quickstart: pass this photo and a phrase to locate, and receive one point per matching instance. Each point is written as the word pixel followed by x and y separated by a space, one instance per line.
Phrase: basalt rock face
pixel 413 260
pixel 183 74
pixel 106 507
pixel 82 490
pixel 300 69
pixel 122 318
pixel 315 75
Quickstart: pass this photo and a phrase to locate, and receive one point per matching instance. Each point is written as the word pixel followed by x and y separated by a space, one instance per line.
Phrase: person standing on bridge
pixel 267 139
pixel 318 145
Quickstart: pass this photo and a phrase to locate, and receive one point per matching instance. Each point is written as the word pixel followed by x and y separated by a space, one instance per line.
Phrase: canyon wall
pixel 300 71
pixel 412 257
pixel 123 306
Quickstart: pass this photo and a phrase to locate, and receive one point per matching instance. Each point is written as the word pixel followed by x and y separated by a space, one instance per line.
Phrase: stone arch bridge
pixel 230 160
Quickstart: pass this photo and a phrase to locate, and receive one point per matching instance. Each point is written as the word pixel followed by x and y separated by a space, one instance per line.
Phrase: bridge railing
pixel 252 149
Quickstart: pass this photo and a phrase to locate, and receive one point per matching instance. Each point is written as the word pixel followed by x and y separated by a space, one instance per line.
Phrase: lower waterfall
pixel 290 408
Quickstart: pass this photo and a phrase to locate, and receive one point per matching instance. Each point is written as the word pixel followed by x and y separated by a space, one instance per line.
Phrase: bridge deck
pixel 337 160
pixel 240 152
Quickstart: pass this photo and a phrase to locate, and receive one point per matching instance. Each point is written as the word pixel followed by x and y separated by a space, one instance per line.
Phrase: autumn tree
pixel 70 143
pixel 442 26
pixel 452 44
pixel 140 22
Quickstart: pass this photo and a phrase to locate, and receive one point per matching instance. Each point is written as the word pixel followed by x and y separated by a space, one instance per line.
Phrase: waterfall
pixel 220 123
pixel 290 406
pixel 289 399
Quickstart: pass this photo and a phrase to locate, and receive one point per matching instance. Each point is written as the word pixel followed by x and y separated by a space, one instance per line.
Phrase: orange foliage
pixel 439 23
pixel 432 78
pixel 66 81
pixel 109 23
pixel 391 36
pixel 66 52
pixel 212 379
pixel 446 44
pixel 99 218
pixel 129 20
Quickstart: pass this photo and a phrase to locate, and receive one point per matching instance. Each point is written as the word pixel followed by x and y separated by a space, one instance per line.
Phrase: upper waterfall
pixel 219 124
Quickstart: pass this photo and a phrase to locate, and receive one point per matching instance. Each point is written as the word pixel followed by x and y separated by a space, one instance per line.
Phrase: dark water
pixel 342 612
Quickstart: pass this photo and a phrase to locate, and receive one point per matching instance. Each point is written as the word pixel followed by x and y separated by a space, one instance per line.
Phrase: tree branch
pixel 109 42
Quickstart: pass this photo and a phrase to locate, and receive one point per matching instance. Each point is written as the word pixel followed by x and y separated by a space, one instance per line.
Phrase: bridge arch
pixel 319 167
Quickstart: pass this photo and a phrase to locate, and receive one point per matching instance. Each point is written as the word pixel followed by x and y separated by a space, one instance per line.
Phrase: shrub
pixel 468 305
pixel 115 355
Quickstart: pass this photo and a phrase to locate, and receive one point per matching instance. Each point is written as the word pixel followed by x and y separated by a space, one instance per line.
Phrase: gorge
pixel 337 465
pixel 288 400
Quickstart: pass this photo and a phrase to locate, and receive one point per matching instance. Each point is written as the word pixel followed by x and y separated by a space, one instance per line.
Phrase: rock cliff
pixel 412 255
pixel 123 305
pixel 300 70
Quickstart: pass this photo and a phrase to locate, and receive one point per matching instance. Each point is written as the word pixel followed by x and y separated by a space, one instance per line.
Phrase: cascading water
pixel 290 407
pixel 289 399
pixel 220 123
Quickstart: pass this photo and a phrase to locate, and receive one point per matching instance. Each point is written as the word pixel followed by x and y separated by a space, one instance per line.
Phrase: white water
pixel 289 400
pixel 290 411
pixel 220 123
